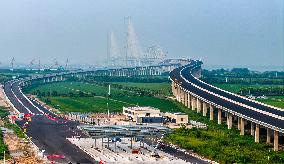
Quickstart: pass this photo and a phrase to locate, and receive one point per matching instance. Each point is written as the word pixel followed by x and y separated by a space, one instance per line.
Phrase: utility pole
pixel 109 90
pixel 108 101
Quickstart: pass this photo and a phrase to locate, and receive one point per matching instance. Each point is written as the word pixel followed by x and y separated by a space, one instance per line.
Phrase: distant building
pixel 251 97
pixel 148 119
pixel 179 118
pixel 136 112
pixel 262 97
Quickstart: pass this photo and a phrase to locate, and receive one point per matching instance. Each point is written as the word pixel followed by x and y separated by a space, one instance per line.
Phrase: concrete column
pixel 177 96
pixel 189 100
pixel 242 126
pixel 176 89
pixel 268 136
pixel 276 135
pixel 198 105
pixel 182 96
pixel 185 99
pixel 193 102
pixel 219 116
pixel 173 89
pixel 229 120
pixel 239 123
pixel 256 135
pixel 252 128
pixel 211 112
pixel 204 109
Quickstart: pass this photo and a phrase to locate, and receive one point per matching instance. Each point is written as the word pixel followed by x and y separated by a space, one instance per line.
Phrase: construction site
pixel 125 144
pixel 135 136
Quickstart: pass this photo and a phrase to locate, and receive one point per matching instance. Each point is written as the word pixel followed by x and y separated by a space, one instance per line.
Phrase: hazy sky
pixel 230 32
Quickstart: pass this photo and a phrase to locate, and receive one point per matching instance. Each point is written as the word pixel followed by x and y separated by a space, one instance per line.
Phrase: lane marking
pixel 19 99
pixel 229 100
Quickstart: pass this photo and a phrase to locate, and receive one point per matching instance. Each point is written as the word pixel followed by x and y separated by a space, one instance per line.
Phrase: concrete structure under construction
pixel 179 118
pixel 249 116
pixel 136 112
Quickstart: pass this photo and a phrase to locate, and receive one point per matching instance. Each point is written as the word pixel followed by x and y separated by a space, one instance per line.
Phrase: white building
pixel 179 118
pixel 137 112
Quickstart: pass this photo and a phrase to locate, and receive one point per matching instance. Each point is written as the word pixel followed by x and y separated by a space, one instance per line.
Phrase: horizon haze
pixel 244 32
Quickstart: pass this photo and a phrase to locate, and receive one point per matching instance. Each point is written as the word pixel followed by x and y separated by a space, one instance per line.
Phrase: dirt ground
pixel 21 151
pixel 2 98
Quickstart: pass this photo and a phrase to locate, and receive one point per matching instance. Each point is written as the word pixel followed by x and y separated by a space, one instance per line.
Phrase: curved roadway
pixel 49 135
pixel 254 111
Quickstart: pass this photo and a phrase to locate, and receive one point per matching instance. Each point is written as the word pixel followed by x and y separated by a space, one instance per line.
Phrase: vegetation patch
pixel 3 146
pixel 17 130
pixel 3 112
pixel 269 90
pixel 85 104
pixel 217 142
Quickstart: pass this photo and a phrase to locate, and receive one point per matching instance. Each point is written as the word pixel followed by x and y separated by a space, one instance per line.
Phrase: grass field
pixel 87 104
pixel 164 88
pixel 73 87
pixel 237 87
pixel 117 100
pixel 217 142
pixel 222 144
pixel 277 101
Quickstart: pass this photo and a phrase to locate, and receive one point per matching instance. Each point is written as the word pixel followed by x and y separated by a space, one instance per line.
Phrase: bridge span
pixel 194 94
pixel 203 97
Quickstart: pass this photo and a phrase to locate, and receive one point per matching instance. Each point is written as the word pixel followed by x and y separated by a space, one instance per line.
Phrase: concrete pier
pixel 256 136
pixel 276 135
pixel 268 134
pixel 204 107
pixel 219 116
pixel 252 128
pixel 242 127
pixel 229 120
pixel 193 102
pixel 211 112
pixel 198 105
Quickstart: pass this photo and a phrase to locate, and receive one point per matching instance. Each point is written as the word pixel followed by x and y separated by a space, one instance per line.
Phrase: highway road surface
pixel 265 115
pixel 48 134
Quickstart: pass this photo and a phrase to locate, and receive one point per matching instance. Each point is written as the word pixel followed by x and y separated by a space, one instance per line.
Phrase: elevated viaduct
pixel 205 98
